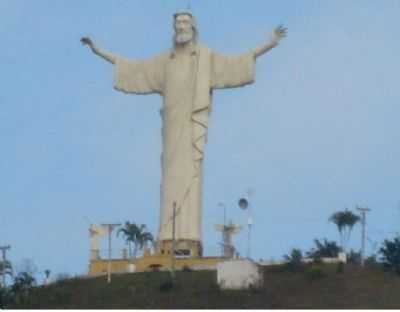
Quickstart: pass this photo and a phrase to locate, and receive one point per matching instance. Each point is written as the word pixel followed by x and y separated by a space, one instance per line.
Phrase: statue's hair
pixel 194 24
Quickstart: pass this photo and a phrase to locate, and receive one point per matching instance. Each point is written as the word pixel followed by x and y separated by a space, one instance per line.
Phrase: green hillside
pixel 355 287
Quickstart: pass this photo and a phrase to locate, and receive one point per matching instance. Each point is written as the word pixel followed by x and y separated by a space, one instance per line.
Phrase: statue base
pixel 183 248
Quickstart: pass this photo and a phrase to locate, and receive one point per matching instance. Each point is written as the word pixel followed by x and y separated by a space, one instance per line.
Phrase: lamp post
pixel 110 227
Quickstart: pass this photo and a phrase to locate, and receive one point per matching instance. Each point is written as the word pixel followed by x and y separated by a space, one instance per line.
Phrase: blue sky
pixel 318 132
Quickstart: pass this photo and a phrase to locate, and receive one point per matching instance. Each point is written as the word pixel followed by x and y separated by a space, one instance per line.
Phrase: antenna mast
pixel 228 250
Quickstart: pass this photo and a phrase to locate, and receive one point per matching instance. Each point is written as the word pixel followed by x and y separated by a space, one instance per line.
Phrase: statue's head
pixel 185 28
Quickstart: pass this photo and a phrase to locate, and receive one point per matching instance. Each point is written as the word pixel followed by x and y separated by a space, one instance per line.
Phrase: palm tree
pixel 145 238
pixel 345 221
pixel 142 238
pixel 136 235
pixel 129 231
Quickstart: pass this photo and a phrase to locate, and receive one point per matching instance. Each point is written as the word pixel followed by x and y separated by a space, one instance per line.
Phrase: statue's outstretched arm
pixel 277 34
pixel 96 50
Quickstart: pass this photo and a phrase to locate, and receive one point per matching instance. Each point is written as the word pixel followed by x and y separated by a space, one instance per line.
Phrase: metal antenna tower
pixel 110 227
pixel 227 230
pixel 363 223
pixel 4 250
pixel 228 250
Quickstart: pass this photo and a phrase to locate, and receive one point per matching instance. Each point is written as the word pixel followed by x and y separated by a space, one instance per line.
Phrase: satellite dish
pixel 243 203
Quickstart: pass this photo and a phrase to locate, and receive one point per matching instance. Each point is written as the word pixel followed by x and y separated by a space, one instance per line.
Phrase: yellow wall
pixel 144 263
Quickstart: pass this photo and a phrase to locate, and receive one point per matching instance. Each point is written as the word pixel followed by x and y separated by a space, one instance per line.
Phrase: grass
pixel 355 287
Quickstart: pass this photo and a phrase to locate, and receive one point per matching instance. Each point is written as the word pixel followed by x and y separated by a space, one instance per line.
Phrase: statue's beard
pixel 184 37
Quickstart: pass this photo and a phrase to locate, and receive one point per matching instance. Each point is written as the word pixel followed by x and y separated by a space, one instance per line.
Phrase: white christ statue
pixel 185 77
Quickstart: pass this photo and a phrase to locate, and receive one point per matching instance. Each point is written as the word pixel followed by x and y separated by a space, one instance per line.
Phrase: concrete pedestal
pixel 239 274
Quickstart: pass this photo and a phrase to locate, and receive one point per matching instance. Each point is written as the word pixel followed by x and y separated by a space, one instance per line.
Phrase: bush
pixel 324 249
pixel 23 285
pixel 354 257
pixel 60 277
pixel 167 286
pixel 187 269
pixel 317 260
pixel 5 297
pixel 390 252
pixel 340 268
pixel 314 272
pixel 294 260
pixel 371 262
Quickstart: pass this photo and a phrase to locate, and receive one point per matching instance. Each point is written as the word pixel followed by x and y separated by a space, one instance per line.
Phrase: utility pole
pixel 363 223
pixel 110 227
pixel 173 241
pixel 4 250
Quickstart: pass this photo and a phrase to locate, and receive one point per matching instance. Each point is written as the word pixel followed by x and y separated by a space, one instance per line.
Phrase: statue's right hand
pixel 87 41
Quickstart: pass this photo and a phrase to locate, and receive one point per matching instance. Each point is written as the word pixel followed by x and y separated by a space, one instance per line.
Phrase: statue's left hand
pixel 278 33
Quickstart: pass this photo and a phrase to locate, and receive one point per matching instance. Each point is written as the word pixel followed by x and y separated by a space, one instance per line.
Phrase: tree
pixel 5 297
pixel 5 292
pixel 26 265
pixel 22 287
pixel 136 235
pixel 23 282
pixel 345 221
pixel 142 238
pixel 5 269
pixel 390 252
pixel 324 249
pixel 130 232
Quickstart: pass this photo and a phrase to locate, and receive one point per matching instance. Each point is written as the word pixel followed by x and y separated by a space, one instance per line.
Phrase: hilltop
pixel 355 287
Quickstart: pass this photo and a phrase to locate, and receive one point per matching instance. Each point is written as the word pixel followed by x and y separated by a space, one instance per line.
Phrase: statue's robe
pixel 185 81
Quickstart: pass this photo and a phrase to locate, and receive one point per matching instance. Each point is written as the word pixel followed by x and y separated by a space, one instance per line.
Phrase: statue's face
pixel 183 29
